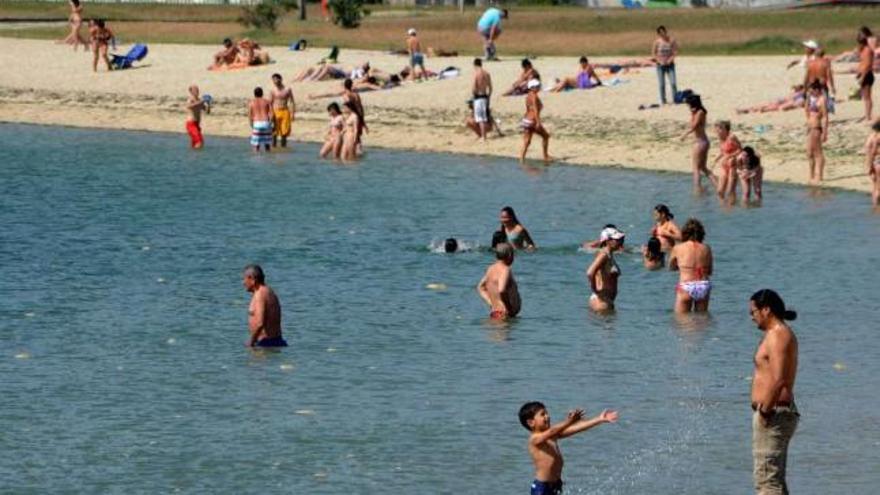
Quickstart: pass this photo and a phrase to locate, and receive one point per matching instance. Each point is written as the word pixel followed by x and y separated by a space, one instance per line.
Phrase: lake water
pixel 124 371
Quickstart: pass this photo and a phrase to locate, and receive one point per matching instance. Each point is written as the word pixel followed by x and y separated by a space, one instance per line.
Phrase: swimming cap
pixel 611 233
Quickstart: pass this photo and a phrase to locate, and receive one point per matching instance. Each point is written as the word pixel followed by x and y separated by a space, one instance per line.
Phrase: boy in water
pixel 194 107
pixel 543 447
pixel 260 120
pixel 498 287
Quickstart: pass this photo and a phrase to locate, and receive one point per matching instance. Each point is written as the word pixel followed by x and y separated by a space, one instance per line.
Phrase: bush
pixel 348 13
pixel 265 15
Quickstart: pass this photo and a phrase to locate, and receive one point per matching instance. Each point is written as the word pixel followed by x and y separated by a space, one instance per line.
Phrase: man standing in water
pixel 489 27
pixel 482 91
pixel 498 287
pixel 775 416
pixel 259 112
pixel 283 110
pixel 264 312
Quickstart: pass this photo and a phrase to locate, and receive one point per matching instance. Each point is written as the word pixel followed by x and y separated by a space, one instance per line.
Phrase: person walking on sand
pixel 700 150
pixel 865 75
pixel 100 39
pixel 872 161
pixel 489 27
pixel 531 123
pixel 75 19
pixel 817 131
pixel 693 260
pixel 194 107
pixel 498 288
pixel 664 51
pixel 482 92
pixel 604 271
pixel 416 57
pixel 260 120
pixel 264 311
pixel 775 416
pixel 283 110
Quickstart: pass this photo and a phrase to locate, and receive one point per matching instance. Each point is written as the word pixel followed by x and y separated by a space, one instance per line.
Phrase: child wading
pixel 543 448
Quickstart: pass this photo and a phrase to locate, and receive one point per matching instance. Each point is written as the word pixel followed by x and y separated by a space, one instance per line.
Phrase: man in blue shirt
pixel 489 27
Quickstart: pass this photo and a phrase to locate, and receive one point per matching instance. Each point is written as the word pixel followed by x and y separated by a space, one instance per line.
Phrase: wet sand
pixel 596 127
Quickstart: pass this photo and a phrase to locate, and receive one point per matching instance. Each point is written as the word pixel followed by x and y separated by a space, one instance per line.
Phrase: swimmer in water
pixel 498 237
pixel 693 260
pixel 498 287
pixel 543 446
pixel 751 174
pixel 729 158
pixel 604 271
pixel 652 256
pixel 872 160
pixel 665 228
pixel 264 312
pixel 450 245
pixel 517 235
pixel 700 151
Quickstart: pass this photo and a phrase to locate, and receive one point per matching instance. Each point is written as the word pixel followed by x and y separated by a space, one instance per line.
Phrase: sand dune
pixel 596 127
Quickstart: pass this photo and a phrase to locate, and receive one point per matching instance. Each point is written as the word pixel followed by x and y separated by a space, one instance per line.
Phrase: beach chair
pixel 136 54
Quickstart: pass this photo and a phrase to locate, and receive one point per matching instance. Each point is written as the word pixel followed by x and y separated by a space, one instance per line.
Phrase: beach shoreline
pixel 599 127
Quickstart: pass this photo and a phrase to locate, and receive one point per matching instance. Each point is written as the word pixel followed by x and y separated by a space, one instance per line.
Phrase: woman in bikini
pixel 872 160
pixel 101 37
pixel 350 133
pixel 817 131
pixel 700 151
pixel 583 80
pixel 333 141
pixel 531 122
pixel 652 256
pixel 693 260
pixel 729 158
pixel 751 174
pixel 517 235
pixel 75 38
pixel 603 272
pixel 665 228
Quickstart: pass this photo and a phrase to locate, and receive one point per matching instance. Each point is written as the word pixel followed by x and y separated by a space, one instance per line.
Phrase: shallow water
pixel 124 321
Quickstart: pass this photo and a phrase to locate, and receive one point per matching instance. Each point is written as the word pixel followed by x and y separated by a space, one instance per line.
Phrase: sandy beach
pixel 598 127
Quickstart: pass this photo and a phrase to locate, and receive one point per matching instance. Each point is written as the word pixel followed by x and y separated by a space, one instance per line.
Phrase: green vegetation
pixel 538 31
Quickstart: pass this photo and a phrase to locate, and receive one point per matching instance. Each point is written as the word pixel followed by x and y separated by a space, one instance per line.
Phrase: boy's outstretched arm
pixel 555 430
pixel 607 416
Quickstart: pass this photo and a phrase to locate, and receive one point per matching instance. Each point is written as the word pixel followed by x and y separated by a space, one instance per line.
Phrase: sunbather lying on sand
pixel 794 100
pixel 321 72
pixel 584 79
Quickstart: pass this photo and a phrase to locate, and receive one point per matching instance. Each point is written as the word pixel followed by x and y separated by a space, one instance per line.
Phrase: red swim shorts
pixel 195 133
pixel 498 315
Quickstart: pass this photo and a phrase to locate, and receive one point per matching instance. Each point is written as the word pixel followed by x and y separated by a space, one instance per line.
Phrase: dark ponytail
pixel 766 298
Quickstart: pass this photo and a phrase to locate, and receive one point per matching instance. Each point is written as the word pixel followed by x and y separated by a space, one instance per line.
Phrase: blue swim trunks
pixel 546 487
pixel 417 59
pixel 273 342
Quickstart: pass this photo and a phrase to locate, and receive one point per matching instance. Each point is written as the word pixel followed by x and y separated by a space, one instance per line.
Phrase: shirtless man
pixel 283 110
pixel 872 160
pixel 264 312
pixel 775 416
pixel 260 120
pixel 498 287
pixel 819 69
pixel 416 57
pixel 693 260
pixel 482 91
pixel 226 56
pixel 194 107
pixel 865 75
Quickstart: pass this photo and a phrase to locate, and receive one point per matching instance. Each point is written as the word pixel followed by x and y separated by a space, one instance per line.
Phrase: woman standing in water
pixel 700 151
pixel 729 158
pixel 333 140
pixel 75 38
pixel 817 131
pixel 517 235
pixel 350 134
pixel 531 122
pixel 665 228
pixel 603 272
pixel 693 260
pixel 872 160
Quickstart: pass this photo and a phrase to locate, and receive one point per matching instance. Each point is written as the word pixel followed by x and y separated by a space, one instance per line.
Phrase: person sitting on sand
pixel 333 140
pixel 519 87
pixel 583 80
pixel 729 159
pixel 75 19
pixel 751 174
pixel 250 53
pixel 652 256
pixel 498 287
pixel 101 39
pixel 795 99
pixel 226 56
pixel 321 72
pixel 531 123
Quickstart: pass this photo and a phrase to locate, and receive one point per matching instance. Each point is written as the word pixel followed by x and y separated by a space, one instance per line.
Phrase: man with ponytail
pixel 775 416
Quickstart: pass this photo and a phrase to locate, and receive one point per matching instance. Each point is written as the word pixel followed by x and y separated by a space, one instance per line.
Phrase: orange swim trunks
pixel 195 134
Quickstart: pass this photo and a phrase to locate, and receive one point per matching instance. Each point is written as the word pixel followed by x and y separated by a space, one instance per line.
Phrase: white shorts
pixel 481 110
